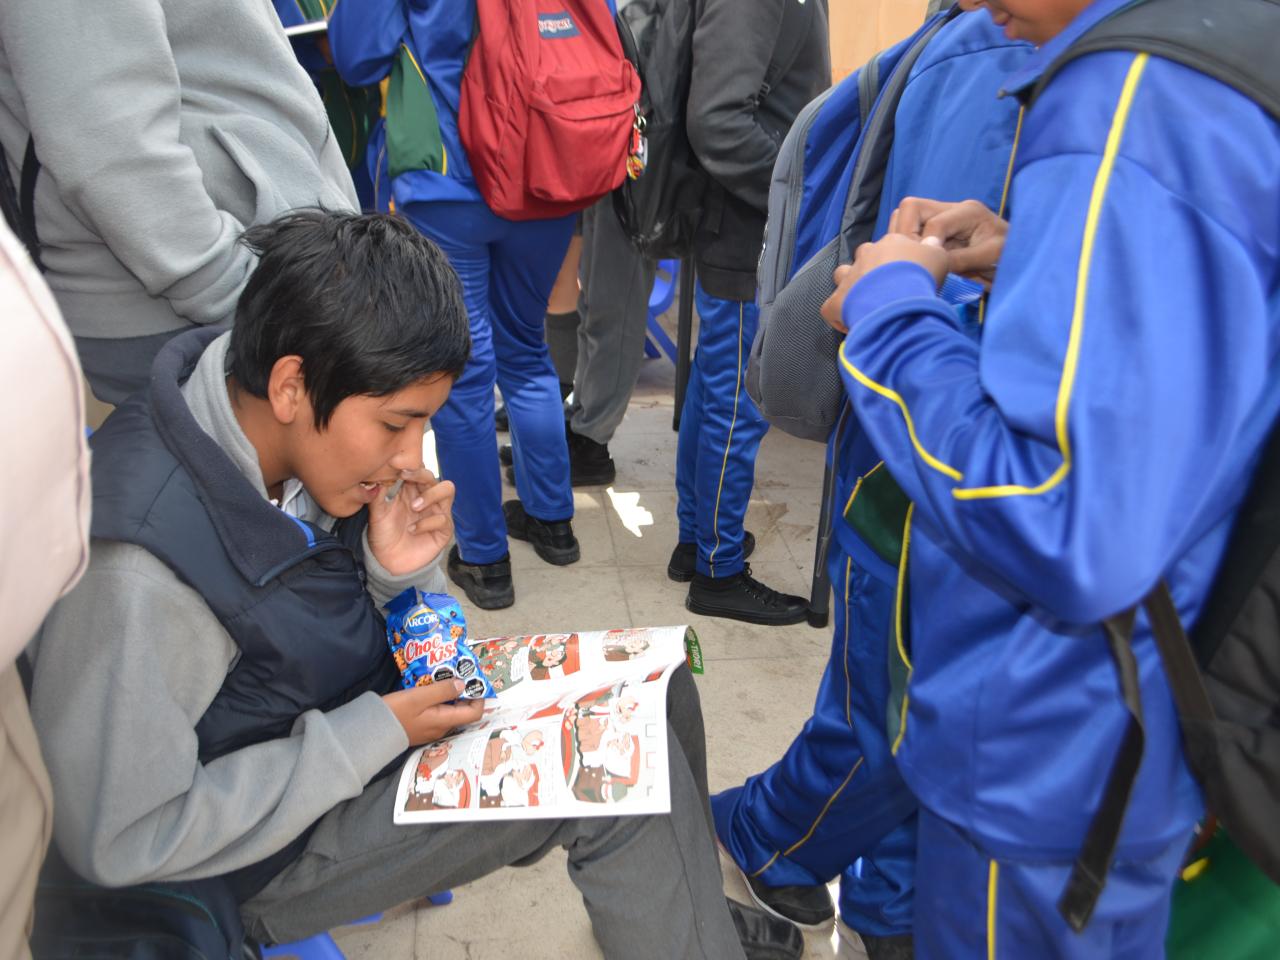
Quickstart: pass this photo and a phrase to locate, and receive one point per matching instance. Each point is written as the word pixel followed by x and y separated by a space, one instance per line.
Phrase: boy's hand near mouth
pixel 411 529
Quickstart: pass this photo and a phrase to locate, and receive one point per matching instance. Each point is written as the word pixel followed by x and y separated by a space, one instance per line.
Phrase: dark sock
pixel 562 343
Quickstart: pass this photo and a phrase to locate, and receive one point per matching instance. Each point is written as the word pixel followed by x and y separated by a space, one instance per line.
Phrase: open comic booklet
pixel 578 729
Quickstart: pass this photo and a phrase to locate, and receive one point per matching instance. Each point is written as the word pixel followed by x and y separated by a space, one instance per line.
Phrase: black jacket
pixel 756 63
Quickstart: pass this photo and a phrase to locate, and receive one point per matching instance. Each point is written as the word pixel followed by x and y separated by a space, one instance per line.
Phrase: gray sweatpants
pixel 605 347
pixel 651 884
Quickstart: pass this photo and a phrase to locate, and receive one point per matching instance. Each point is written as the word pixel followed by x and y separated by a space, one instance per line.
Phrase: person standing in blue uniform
pixel 507 269
pixel 353 111
pixel 1097 438
pixel 756 63
pixel 835 804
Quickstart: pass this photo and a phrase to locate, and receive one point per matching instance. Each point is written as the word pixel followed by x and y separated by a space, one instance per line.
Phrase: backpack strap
pixel 1089 873
pixel 779 67
pixel 1232 41
pixel 18 205
pixel 862 208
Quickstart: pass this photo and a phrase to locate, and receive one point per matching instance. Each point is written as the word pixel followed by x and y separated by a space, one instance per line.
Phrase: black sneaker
pixel 807 907
pixel 553 541
pixel 742 597
pixel 487 585
pixel 589 462
pixel 900 946
pixel 502 419
pixel 684 558
pixel 764 937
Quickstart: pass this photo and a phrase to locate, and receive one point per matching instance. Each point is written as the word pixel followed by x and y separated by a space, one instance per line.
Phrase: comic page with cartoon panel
pixel 533 668
pixel 596 747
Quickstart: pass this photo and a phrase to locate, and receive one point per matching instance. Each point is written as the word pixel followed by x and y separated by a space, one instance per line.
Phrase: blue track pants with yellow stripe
pixel 835 805
pixel 720 432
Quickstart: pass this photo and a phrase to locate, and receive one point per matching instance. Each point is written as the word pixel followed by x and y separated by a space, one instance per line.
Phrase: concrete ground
pixel 757 691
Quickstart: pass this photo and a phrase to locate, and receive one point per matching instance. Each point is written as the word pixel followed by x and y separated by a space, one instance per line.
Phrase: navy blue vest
pixel 291 596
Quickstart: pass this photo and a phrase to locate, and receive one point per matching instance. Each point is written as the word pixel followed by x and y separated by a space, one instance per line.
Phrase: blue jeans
pixel 507 269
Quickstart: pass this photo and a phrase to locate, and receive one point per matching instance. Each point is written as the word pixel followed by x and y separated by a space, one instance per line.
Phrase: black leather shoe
pixel 742 597
pixel 764 937
pixel 502 419
pixel 553 541
pixel 900 947
pixel 589 462
pixel 487 585
pixel 807 907
pixel 684 558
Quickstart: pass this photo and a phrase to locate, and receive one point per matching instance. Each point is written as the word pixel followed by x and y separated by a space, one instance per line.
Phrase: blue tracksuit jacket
pixel 365 36
pixel 1097 438
pixel 836 794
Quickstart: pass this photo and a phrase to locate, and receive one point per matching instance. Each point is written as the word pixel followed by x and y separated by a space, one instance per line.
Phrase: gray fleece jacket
pixel 163 130
pixel 125 666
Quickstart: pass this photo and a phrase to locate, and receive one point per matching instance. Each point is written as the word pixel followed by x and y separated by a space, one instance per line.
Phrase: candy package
pixel 427 633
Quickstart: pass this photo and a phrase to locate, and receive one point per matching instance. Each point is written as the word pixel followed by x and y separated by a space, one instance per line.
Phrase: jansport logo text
pixel 556 26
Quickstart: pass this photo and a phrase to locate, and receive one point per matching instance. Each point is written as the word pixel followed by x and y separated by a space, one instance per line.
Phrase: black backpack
pixel 1225 679
pixel 661 207
pixel 76 920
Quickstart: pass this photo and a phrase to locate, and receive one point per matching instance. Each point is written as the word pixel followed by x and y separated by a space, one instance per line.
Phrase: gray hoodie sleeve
pixel 384 585
pixel 101 90
pixel 125 666
pixel 733 45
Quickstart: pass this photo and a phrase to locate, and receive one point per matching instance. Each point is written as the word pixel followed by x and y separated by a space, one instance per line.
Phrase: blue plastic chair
pixel 666 281
pixel 322 947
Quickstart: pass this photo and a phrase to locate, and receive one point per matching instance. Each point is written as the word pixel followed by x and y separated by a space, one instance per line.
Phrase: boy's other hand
pixel 891 248
pixel 427 714
pixel 409 532
pixel 972 235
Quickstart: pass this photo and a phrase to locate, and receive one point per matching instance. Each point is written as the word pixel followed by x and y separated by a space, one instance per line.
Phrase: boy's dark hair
pixel 369 304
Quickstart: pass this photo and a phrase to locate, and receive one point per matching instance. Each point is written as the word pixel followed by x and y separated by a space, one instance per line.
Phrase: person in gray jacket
pixel 216 698
pixel 163 130
pixel 756 63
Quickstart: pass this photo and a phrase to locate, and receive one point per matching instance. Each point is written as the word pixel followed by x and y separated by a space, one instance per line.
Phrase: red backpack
pixel 548 106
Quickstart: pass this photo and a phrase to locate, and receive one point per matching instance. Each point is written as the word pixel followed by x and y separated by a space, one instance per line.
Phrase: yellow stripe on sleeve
pixel 888 394
pixel 1071 362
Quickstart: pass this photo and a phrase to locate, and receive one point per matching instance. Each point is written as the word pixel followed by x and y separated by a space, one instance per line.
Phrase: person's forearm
pixel 384 585
pixel 1062 454
pixel 364 36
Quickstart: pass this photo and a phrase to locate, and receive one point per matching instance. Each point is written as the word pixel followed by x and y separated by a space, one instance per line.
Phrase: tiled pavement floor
pixel 756 693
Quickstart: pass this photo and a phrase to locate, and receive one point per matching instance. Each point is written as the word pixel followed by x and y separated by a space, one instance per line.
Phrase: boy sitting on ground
pixel 216 699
